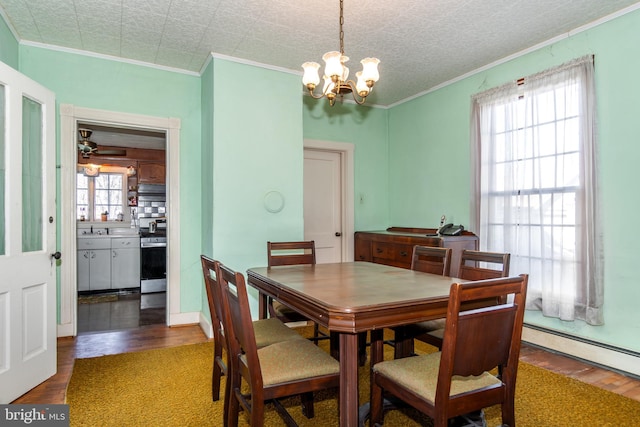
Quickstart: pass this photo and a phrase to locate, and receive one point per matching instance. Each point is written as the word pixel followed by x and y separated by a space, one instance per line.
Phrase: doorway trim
pixel 69 117
pixel 346 151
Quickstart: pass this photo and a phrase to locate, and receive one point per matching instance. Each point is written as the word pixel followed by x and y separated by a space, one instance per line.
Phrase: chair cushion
pixel 294 360
pixel 420 375
pixel 425 327
pixel 438 333
pixel 272 330
pixel 282 311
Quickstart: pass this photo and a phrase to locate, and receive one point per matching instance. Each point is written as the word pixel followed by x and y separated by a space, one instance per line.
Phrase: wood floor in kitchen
pixel 120 310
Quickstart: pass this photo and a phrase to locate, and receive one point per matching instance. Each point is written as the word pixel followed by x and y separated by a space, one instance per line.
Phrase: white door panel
pixel 27 235
pixel 323 203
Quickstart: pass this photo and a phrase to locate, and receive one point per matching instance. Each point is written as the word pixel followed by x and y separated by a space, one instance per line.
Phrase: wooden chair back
pixel 214 297
pixel 245 363
pixel 481 265
pixel 430 259
pixel 479 340
pixel 291 253
pixel 476 341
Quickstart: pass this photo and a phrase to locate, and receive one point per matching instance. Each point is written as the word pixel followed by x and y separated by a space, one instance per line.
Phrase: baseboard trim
pixel 205 325
pixel 616 359
pixel 177 319
pixel 65 330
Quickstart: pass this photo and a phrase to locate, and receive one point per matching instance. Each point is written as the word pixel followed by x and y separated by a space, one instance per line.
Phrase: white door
pixel 323 203
pixel 27 234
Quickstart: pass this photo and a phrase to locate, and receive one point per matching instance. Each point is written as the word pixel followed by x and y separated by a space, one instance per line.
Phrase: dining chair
pixel 459 379
pixel 288 368
pixel 291 253
pixel 474 265
pixel 481 265
pixel 267 331
pixel 427 259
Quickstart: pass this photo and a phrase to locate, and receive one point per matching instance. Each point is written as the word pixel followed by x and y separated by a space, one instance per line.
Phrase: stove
pixel 153 260
pixel 159 236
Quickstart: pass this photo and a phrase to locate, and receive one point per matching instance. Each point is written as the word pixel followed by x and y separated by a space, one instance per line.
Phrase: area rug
pixel 172 387
pixel 93 299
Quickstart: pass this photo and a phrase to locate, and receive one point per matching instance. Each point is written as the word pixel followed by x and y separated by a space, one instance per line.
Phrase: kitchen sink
pixel 86 233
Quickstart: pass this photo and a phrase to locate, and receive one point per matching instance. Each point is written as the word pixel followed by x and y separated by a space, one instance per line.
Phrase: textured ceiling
pixel 421 43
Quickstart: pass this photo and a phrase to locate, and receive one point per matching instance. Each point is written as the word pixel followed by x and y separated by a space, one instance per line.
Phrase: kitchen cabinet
pixel 108 263
pixel 394 246
pixel 94 264
pixel 151 173
pixel 125 262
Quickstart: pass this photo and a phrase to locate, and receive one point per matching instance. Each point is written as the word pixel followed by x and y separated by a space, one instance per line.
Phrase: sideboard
pixel 394 246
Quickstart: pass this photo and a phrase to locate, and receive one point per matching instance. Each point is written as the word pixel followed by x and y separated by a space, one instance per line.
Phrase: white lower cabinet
pixel 108 263
pixel 125 262
pixel 94 264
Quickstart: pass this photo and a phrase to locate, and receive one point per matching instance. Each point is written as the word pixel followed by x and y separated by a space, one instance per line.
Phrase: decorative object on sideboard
pixel 336 74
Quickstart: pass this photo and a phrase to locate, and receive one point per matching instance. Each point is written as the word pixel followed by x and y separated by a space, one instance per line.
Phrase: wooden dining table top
pixel 350 298
pixel 355 296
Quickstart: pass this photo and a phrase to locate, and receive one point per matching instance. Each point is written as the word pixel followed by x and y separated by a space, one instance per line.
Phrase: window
pixel 99 194
pixel 535 187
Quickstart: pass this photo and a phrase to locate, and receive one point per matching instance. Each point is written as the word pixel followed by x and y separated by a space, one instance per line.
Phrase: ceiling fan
pixel 87 147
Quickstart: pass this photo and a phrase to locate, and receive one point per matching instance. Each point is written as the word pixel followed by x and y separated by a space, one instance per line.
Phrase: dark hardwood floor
pixel 159 336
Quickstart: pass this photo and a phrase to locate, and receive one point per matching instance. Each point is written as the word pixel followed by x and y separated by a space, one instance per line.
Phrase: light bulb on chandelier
pixel 336 74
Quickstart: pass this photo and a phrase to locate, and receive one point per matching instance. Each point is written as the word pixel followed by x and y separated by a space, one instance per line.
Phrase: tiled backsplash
pixel 148 209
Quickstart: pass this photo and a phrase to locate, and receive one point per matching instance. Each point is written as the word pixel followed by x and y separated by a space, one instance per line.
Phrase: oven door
pixel 153 267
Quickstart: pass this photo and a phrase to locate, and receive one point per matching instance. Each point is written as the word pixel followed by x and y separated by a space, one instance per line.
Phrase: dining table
pixel 349 299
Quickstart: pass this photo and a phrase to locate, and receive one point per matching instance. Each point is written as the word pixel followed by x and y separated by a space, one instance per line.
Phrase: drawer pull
pixel 378 250
pixel 403 253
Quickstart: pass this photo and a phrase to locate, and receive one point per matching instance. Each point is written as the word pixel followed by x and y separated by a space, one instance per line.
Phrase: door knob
pixel 338 234
pixel 56 255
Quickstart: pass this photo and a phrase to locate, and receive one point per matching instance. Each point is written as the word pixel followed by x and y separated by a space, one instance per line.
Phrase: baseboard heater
pixel 623 361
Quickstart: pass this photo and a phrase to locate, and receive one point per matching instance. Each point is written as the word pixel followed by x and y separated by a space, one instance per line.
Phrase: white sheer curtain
pixel 535 185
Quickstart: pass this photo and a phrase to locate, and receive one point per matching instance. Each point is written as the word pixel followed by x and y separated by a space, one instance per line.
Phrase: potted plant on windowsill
pixel 104 216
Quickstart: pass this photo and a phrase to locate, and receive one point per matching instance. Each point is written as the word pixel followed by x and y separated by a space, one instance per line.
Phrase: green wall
pixel 116 86
pixel 257 148
pixel 9 48
pixel 366 128
pixel 429 161
pixel 206 158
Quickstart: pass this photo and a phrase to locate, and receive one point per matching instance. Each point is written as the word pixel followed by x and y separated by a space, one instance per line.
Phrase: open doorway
pixel 121 227
pixel 73 118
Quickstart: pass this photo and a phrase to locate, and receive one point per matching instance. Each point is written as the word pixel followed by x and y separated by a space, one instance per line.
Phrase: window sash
pixel 103 193
pixel 536 200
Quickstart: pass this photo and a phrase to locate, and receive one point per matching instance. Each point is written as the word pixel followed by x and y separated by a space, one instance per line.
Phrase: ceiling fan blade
pixel 110 152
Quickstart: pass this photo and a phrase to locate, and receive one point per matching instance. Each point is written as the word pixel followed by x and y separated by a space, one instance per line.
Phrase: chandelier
pixel 336 74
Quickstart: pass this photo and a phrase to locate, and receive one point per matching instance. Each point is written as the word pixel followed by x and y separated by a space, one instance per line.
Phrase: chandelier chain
pixel 341 30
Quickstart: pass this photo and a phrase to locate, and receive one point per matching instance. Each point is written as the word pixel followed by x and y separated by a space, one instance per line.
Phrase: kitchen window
pixel 535 186
pixel 95 195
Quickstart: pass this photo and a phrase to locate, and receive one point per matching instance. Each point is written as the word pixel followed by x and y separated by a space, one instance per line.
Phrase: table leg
pixel 404 346
pixel 348 380
pixel 263 312
pixel 377 355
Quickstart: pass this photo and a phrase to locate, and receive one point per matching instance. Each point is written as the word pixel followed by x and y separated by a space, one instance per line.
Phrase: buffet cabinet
pixel 394 246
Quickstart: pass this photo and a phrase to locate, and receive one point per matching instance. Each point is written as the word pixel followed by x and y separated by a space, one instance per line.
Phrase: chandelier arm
pixel 354 92
pixel 314 96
